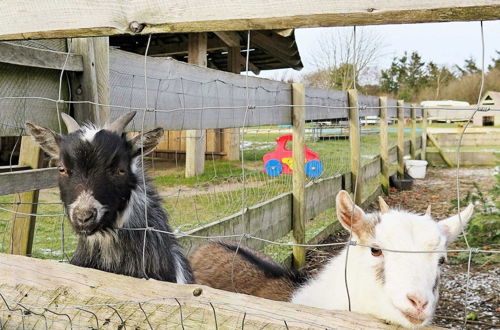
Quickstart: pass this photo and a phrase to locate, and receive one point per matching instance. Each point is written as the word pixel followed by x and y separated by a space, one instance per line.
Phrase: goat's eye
pixel 120 172
pixel 376 252
pixel 62 170
pixel 442 260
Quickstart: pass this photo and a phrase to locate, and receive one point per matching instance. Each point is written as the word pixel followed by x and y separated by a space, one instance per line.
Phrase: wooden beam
pixel 54 19
pixel 384 145
pixel 298 175
pixel 84 296
pixel 231 136
pixel 354 139
pixel 271 47
pixel 169 49
pixel 401 138
pixel 195 139
pixel 26 180
pixel 39 58
pixel 413 131
pixel 251 66
pixel 230 38
pixel 84 85
pixel 438 147
pixel 23 226
pixel 101 52
pixel 423 154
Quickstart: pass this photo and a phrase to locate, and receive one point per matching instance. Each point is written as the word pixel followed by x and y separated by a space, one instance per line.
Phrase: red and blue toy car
pixel 280 160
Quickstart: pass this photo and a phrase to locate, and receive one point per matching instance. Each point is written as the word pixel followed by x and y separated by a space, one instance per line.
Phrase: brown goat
pixel 250 272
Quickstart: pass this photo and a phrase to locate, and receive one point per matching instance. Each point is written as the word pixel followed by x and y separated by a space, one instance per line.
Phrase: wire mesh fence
pixel 261 112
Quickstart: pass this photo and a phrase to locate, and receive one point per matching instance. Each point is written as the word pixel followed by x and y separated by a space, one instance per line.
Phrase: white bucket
pixel 416 168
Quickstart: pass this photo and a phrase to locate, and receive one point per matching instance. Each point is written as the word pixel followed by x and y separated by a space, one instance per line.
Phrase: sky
pixel 442 43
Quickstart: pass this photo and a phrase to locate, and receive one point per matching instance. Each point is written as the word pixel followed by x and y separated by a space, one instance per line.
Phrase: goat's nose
pixel 86 215
pixel 418 301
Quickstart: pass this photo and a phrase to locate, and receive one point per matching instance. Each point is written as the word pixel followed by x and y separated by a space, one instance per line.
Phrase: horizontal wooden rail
pixel 27 180
pixel 13 168
pixel 56 293
pixel 55 19
pixel 39 58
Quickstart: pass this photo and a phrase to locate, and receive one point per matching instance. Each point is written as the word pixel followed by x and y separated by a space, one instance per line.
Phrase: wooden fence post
pixel 401 138
pixel 299 174
pixel 384 145
pixel 413 134
pixel 354 138
pixel 23 226
pixel 423 154
pixel 231 136
pixel 195 139
pixel 93 84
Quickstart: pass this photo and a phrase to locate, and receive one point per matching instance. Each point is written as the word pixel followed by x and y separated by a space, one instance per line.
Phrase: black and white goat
pixel 402 288
pixel 102 186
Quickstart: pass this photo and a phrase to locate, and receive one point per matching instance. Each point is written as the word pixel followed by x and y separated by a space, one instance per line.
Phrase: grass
pixel 221 191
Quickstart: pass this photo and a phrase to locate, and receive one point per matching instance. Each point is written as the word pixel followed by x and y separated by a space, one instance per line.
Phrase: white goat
pixel 399 287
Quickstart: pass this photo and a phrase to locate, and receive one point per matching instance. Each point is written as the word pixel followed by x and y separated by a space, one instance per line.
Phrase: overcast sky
pixel 443 43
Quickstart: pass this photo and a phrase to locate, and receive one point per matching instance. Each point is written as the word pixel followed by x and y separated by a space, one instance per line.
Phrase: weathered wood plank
pixel 54 19
pixel 39 58
pixel 413 131
pixel 384 144
pixel 21 181
pixel 371 169
pixel 23 226
pixel 83 295
pixel 298 175
pixel 320 195
pixel 269 220
pixel 354 140
pixel 401 137
pixel 424 134
pixel 195 139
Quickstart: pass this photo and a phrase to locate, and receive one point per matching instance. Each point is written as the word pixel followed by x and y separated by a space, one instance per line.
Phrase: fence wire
pixel 228 186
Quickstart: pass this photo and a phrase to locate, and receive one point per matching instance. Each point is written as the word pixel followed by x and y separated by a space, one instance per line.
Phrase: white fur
pixel 405 273
pixel 179 270
pixel 86 200
pixel 88 132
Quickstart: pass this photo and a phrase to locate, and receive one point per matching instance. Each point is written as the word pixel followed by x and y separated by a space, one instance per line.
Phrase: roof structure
pixel 491 98
pixel 269 49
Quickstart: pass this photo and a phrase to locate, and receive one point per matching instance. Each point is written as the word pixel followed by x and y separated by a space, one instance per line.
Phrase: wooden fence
pixel 186 97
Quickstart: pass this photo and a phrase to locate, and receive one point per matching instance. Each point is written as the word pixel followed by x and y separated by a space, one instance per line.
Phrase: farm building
pixel 490 99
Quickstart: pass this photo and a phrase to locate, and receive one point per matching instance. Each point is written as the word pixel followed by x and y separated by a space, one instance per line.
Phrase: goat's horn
pixel 383 205
pixel 71 123
pixel 119 125
pixel 428 211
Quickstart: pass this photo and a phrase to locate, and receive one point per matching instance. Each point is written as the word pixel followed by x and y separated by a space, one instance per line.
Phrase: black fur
pixel 105 167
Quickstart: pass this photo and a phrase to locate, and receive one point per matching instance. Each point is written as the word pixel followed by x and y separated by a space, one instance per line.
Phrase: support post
pixel 93 83
pixel 23 226
pixel 423 153
pixel 384 145
pixel 299 174
pixel 413 134
pixel 195 139
pixel 354 138
pixel 401 138
pixel 231 136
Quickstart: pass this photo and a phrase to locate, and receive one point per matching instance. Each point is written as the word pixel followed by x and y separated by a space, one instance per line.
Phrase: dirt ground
pixel 439 189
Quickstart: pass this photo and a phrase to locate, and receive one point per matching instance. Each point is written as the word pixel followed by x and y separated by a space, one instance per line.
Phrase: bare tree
pixel 338 63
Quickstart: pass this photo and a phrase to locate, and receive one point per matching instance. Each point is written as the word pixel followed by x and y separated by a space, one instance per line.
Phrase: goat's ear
pixel 47 139
pixel 452 227
pixel 148 141
pixel 384 208
pixel 428 211
pixel 349 220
